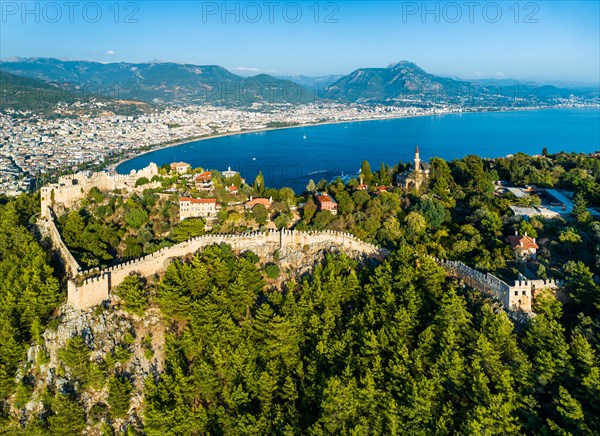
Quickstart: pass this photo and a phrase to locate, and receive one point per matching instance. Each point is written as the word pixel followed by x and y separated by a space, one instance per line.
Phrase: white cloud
pixel 248 69
pixel 500 74
pixel 110 52
pixel 253 70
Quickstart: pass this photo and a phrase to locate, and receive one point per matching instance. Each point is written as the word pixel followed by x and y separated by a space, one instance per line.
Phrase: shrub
pixel 141 181
pixel 136 217
pixel 272 271
pixel 251 256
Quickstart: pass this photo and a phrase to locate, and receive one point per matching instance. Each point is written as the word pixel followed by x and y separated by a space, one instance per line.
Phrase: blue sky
pixel 545 40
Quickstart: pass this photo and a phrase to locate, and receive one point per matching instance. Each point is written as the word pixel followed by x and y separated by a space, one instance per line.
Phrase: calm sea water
pixel 290 157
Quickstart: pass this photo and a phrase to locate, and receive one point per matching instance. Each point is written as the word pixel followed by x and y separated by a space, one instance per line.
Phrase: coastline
pixel 114 166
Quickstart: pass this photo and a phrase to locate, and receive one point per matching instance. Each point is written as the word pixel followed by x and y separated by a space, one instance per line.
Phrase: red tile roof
pixel 264 201
pixel 522 242
pixel 179 164
pixel 197 200
pixel 204 177
pixel 325 198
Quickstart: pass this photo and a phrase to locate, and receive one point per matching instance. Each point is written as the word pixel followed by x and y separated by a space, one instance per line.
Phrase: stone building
pixel 70 189
pixel 229 173
pixel 180 167
pixel 197 208
pixel 518 296
pixel 361 185
pixel 326 202
pixel 524 246
pixel 414 177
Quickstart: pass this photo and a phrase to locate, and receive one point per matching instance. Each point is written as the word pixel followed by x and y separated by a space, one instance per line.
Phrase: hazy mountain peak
pixel 403 64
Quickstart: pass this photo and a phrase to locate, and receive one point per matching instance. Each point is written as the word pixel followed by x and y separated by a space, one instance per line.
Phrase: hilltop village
pixel 175 203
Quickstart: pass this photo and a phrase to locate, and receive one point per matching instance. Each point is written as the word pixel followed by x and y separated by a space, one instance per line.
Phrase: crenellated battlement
pixel 70 189
pixel 95 288
pixel 91 287
pixel 98 283
pixel 518 296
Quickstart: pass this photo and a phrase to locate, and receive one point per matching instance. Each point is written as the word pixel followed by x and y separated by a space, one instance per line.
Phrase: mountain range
pixel 401 83
pixel 161 82
pixel 404 81
pixel 25 93
pixel 314 83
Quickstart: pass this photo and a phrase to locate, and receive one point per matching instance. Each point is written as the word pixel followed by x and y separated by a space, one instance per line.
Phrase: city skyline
pixel 542 41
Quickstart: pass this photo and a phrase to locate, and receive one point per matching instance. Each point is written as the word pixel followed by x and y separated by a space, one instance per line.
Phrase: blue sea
pixel 291 157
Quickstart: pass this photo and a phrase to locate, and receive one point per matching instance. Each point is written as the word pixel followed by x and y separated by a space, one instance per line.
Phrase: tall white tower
pixel 417 161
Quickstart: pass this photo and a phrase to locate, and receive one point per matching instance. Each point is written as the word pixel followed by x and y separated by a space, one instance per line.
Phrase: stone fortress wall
pixel 88 292
pixel 89 288
pixel 92 287
pixel 519 296
pixel 70 189
pixel 71 266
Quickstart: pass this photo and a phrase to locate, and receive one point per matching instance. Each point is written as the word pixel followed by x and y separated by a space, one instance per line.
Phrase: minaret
pixel 417 161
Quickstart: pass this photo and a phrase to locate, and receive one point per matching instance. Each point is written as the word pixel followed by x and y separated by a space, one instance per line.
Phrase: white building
pixel 227 174
pixel 197 207
pixel 180 167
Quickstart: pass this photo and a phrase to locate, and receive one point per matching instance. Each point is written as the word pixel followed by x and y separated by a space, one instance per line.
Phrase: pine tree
pixel 259 183
pixel 309 211
pixel 365 172
pixel 67 418
pixel 76 356
pixel 133 295
pixel 580 208
pixel 119 396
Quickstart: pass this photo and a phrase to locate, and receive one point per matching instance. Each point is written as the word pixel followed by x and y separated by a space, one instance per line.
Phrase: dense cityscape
pixel 37 145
